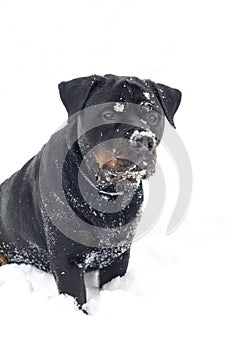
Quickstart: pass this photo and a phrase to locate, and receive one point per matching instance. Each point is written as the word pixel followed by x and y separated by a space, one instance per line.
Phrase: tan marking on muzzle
pixel 3 260
pixel 102 158
pixel 108 157
pixel 117 164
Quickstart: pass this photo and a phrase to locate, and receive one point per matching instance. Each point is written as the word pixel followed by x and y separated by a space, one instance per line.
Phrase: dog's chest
pixel 101 258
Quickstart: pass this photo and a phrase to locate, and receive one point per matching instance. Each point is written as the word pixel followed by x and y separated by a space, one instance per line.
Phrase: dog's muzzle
pixel 137 162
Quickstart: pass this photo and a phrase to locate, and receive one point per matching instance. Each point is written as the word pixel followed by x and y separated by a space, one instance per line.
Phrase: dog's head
pixel 130 118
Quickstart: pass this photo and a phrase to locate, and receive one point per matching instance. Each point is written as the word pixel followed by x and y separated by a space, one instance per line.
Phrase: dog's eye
pixel 152 118
pixel 109 116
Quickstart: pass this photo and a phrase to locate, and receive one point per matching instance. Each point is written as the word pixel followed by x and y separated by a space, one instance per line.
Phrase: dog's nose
pixel 143 140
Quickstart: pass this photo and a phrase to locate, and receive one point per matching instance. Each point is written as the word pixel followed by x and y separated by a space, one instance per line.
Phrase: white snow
pixel 147 95
pixel 138 134
pixel 119 107
pixel 177 293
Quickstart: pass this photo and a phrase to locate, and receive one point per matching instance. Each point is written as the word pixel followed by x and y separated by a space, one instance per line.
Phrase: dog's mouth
pixel 117 170
pixel 133 159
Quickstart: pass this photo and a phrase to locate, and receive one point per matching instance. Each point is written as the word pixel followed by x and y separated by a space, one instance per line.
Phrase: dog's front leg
pixel 68 274
pixel 118 267
pixel 69 278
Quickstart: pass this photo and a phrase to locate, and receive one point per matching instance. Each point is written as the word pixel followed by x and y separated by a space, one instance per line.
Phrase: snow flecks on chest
pixel 104 257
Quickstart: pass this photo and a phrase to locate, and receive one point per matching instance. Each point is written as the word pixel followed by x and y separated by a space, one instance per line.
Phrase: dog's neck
pixel 99 190
pixel 83 195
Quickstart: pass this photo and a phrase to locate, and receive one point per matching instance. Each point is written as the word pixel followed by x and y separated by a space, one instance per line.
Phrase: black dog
pixel 98 161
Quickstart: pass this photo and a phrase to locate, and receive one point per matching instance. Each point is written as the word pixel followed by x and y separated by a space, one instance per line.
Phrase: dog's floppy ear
pixel 169 99
pixel 74 93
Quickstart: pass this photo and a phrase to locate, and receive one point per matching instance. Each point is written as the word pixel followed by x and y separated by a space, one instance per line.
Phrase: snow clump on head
pixel 119 107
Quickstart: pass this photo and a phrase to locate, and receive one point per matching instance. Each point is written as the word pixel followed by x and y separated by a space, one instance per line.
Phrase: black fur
pixel 27 233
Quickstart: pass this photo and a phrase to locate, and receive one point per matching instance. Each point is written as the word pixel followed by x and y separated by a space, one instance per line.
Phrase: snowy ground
pixel 178 291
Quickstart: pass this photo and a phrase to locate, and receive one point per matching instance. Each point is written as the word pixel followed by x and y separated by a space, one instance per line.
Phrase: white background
pixel 178 291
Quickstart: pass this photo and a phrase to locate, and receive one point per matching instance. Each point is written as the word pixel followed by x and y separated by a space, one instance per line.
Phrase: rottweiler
pixel 74 207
